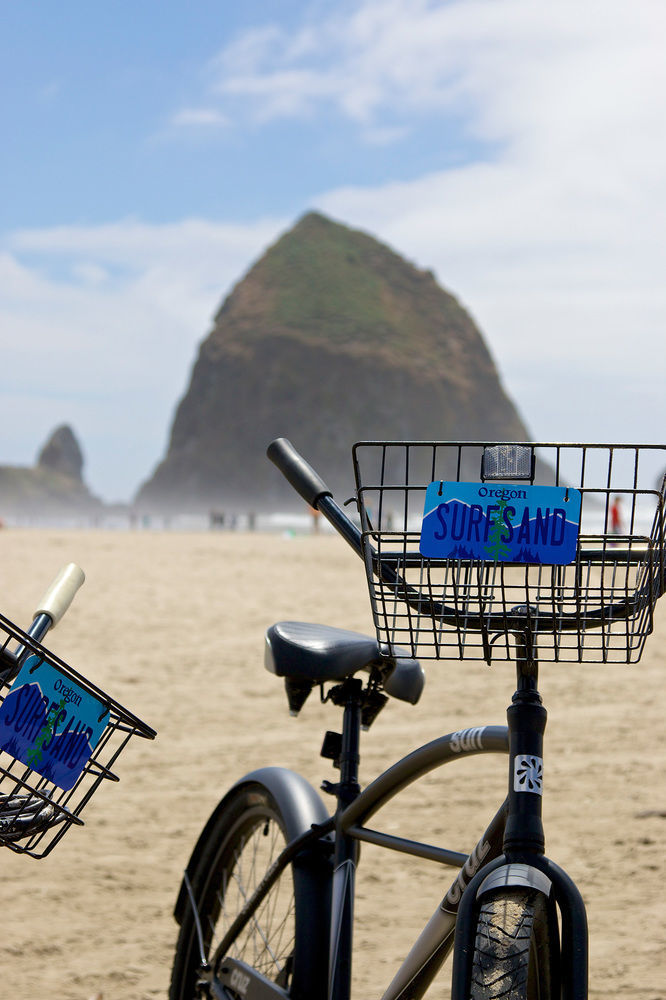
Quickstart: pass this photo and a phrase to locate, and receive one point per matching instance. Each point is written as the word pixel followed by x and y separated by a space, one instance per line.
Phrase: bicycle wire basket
pixel 35 810
pixel 597 608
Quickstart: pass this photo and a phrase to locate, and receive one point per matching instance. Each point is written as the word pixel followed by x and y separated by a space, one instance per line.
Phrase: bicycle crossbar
pixel 454 859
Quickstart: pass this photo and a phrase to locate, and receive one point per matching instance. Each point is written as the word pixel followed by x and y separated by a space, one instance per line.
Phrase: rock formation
pixel 62 454
pixel 330 338
pixel 54 487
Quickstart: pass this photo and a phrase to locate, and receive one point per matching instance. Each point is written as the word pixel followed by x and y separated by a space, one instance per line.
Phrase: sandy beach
pixel 172 625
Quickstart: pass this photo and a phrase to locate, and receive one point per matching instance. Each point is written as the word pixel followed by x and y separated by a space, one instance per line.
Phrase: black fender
pixel 521 876
pixel 301 807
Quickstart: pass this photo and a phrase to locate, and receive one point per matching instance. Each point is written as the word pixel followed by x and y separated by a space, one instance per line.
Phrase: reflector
pixel 507 461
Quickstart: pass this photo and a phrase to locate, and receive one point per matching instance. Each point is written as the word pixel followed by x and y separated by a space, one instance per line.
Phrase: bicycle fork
pixel 523 862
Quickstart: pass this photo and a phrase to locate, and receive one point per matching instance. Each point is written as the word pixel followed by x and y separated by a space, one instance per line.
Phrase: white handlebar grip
pixel 61 593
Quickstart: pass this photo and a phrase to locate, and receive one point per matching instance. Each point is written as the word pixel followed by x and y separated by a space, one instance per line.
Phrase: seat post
pixel 350 755
pixel 349 694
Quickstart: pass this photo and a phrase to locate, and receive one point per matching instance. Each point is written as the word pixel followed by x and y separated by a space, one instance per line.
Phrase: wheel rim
pixel 267 941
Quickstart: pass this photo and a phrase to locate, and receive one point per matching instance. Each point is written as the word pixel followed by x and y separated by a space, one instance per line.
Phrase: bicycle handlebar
pixel 61 593
pixel 312 488
pixel 297 471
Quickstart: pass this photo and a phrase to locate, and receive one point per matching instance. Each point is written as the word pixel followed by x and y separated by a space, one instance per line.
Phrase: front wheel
pixel 516 948
pixel 285 940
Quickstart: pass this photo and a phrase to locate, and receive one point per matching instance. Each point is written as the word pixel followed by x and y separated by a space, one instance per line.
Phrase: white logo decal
pixel 467 739
pixel 239 981
pixel 528 774
pixel 465 875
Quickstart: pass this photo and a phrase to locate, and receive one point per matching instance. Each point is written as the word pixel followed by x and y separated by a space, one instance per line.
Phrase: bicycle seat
pixel 312 654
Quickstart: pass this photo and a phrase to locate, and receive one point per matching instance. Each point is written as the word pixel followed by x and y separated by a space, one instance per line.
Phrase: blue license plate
pixel 50 723
pixel 499 522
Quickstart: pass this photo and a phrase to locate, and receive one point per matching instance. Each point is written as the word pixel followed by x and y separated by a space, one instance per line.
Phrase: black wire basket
pixel 60 738
pixel 466 581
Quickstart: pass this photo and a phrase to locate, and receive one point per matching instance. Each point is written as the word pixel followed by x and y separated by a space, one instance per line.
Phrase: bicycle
pixel 60 735
pixel 472 550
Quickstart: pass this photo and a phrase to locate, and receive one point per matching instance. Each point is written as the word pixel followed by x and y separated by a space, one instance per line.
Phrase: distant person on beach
pixel 616 525
pixel 216 519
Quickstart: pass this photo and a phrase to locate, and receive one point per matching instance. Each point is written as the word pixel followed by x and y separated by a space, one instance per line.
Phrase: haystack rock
pixel 330 338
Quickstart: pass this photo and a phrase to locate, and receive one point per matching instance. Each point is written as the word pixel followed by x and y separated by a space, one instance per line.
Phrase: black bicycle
pixel 528 552
pixel 60 735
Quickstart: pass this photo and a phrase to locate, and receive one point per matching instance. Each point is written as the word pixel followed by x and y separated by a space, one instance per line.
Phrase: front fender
pixel 300 805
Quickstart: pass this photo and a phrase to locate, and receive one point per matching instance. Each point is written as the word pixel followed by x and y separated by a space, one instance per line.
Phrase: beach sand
pixel 172 625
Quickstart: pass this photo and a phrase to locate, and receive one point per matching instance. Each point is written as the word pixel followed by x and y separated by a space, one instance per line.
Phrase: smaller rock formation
pixel 54 487
pixel 62 454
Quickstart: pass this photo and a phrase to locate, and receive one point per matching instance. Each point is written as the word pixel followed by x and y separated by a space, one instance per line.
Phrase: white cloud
pixel 497 61
pixel 100 326
pixel 50 92
pixel 385 135
pixel 198 118
pixel 566 286
pixel 90 273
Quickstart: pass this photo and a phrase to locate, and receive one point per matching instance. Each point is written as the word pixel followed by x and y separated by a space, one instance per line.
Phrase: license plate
pixel 50 723
pixel 499 522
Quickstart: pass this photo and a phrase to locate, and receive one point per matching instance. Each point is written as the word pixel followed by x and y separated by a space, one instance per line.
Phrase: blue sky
pixel 151 151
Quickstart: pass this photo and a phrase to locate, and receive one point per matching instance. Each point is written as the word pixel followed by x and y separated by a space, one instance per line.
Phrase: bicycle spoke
pixel 267 940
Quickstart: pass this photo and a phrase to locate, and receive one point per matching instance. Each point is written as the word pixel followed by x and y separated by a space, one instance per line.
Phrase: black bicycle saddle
pixel 317 653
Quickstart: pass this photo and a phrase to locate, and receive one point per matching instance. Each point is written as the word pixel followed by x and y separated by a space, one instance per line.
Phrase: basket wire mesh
pixel 35 813
pixel 598 608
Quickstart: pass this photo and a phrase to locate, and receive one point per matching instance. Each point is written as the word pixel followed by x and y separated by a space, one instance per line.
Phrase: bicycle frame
pixel 432 602
pixel 453 603
pixel 436 940
pixel 510 852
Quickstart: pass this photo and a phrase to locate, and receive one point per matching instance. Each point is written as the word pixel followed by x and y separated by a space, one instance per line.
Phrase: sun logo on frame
pixel 528 774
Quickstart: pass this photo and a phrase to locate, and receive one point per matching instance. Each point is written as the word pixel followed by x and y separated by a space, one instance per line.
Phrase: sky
pixel 151 151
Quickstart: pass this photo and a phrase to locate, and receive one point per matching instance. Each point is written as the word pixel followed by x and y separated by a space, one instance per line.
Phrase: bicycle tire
pixel 515 948
pixel 287 938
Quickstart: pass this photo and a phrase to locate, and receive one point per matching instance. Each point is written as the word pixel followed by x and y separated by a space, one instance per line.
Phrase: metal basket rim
pixel 16 633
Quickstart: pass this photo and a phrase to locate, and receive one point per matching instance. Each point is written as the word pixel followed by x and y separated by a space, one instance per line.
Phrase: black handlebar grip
pixel 296 471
